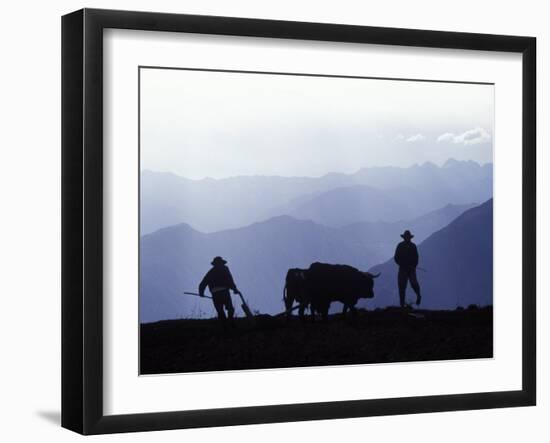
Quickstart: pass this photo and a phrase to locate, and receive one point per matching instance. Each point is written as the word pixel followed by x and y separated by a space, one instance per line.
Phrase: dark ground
pixel 379 336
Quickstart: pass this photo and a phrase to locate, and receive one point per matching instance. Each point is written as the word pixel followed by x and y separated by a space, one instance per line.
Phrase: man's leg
pixel 228 304
pixel 229 307
pixel 402 285
pixel 218 304
pixel 415 285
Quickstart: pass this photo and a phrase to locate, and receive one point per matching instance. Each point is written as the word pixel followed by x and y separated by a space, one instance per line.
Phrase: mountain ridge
pixel 210 205
pixel 175 259
pixel 455 265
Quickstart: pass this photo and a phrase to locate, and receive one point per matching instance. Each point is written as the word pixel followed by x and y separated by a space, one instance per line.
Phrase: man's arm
pixel 231 282
pixel 415 256
pixel 397 255
pixel 203 284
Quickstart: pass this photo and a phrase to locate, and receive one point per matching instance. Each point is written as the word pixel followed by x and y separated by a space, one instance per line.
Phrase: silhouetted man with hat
pixel 219 281
pixel 406 257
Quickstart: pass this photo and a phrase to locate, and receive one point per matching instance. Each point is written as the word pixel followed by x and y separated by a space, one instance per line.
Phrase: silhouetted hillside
pixel 356 204
pixel 212 205
pixel 175 259
pixel 382 233
pixel 456 262
pixel 380 336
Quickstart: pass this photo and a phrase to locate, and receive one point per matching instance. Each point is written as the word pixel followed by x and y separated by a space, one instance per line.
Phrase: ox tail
pixel 286 301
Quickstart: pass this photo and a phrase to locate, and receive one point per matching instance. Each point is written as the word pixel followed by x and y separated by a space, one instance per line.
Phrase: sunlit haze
pixel 216 124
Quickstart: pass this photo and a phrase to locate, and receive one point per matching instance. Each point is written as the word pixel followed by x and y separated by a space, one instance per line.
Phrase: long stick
pixel 197 295
pixel 280 314
pixel 245 307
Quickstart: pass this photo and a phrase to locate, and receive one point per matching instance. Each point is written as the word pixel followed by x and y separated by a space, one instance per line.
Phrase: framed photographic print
pixel 309 220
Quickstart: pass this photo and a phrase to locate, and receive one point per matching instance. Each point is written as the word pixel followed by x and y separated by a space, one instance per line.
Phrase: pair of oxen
pixel 321 284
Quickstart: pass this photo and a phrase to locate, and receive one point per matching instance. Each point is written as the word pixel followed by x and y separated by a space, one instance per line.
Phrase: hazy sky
pixel 216 124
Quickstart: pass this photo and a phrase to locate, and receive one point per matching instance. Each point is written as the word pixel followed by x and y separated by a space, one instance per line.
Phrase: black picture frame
pixel 82 218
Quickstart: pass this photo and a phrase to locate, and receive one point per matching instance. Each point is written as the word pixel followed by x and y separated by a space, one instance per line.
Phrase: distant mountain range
pixel 386 194
pixel 174 259
pixel 456 262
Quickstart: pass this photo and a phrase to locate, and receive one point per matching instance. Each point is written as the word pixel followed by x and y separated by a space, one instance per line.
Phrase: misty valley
pixel 264 226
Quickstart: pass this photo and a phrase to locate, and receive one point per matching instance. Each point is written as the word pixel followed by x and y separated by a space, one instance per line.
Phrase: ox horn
pixel 373 275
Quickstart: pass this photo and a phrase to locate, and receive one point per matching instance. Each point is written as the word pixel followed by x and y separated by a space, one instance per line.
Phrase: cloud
pixel 470 137
pixel 399 137
pixel 473 137
pixel 416 138
pixel 447 137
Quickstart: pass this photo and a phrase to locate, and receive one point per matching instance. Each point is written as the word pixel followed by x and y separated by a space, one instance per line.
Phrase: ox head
pixel 367 287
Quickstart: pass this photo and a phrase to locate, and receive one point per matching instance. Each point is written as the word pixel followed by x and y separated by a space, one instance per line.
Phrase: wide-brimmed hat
pixel 407 234
pixel 218 261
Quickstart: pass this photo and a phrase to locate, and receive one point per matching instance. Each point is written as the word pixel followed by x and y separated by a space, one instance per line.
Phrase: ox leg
pixel 301 312
pixel 289 301
pixel 324 312
pixel 288 314
pixel 351 308
pixel 354 317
